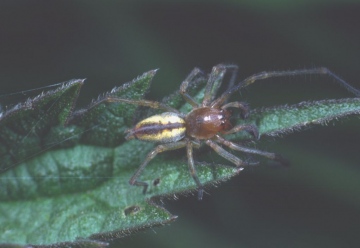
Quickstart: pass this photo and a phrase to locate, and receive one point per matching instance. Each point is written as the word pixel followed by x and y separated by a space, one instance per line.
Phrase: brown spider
pixel 206 122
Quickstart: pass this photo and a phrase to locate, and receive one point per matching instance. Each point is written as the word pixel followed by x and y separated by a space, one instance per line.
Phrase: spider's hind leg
pixel 145 103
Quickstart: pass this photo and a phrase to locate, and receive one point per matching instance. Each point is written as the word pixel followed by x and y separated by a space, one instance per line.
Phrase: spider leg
pixel 184 85
pixel 227 155
pixel 234 73
pixel 244 107
pixel 189 151
pixel 264 75
pixel 160 148
pixel 146 103
pixel 215 80
pixel 253 130
pixel 236 147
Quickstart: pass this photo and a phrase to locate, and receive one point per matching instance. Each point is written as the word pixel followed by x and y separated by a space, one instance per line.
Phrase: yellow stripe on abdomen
pixel 164 128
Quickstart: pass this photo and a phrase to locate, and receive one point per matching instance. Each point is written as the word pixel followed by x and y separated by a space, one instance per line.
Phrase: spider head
pixel 206 122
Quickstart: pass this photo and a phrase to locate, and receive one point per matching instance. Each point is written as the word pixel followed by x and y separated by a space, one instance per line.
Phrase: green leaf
pixel 103 122
pixel 64 175
pixel 288 118
pixel 74 187
pixel 101 212
pixel 23 126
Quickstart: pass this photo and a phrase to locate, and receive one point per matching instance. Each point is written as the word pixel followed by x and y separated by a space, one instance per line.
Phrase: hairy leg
pixel 253 130
pixel 244 107
pixel 145 103
pixel 160 148
pixel 236 147
pixel 184 85
pixel 215 79
pixel 227 155
pixel 264 75
pixel 189 151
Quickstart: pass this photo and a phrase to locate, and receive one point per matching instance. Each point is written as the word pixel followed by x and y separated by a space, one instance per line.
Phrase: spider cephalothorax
pixel 206 122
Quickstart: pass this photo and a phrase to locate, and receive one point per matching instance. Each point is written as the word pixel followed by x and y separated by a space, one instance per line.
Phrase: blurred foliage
pixel 111 42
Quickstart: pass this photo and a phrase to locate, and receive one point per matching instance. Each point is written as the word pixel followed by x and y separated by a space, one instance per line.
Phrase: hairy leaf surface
pixel 64 173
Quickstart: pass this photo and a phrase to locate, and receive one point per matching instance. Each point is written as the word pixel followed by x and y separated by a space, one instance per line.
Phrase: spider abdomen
pixel 206 122
pixel 164 128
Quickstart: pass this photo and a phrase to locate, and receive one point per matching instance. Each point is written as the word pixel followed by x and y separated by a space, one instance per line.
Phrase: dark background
pixel 315 202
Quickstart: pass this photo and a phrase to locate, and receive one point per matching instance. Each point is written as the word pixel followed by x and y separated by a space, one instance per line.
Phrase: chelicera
pixel 206 122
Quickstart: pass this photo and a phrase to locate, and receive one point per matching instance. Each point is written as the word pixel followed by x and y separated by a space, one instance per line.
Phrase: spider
pixel 206 122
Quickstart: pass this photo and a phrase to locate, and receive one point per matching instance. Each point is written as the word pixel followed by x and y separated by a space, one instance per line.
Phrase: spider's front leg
pixel 185 84
pixel 215 79
pixel 271 74
pixel 253 130
pixel 320 71
pixel 160 148
pixel 244 107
